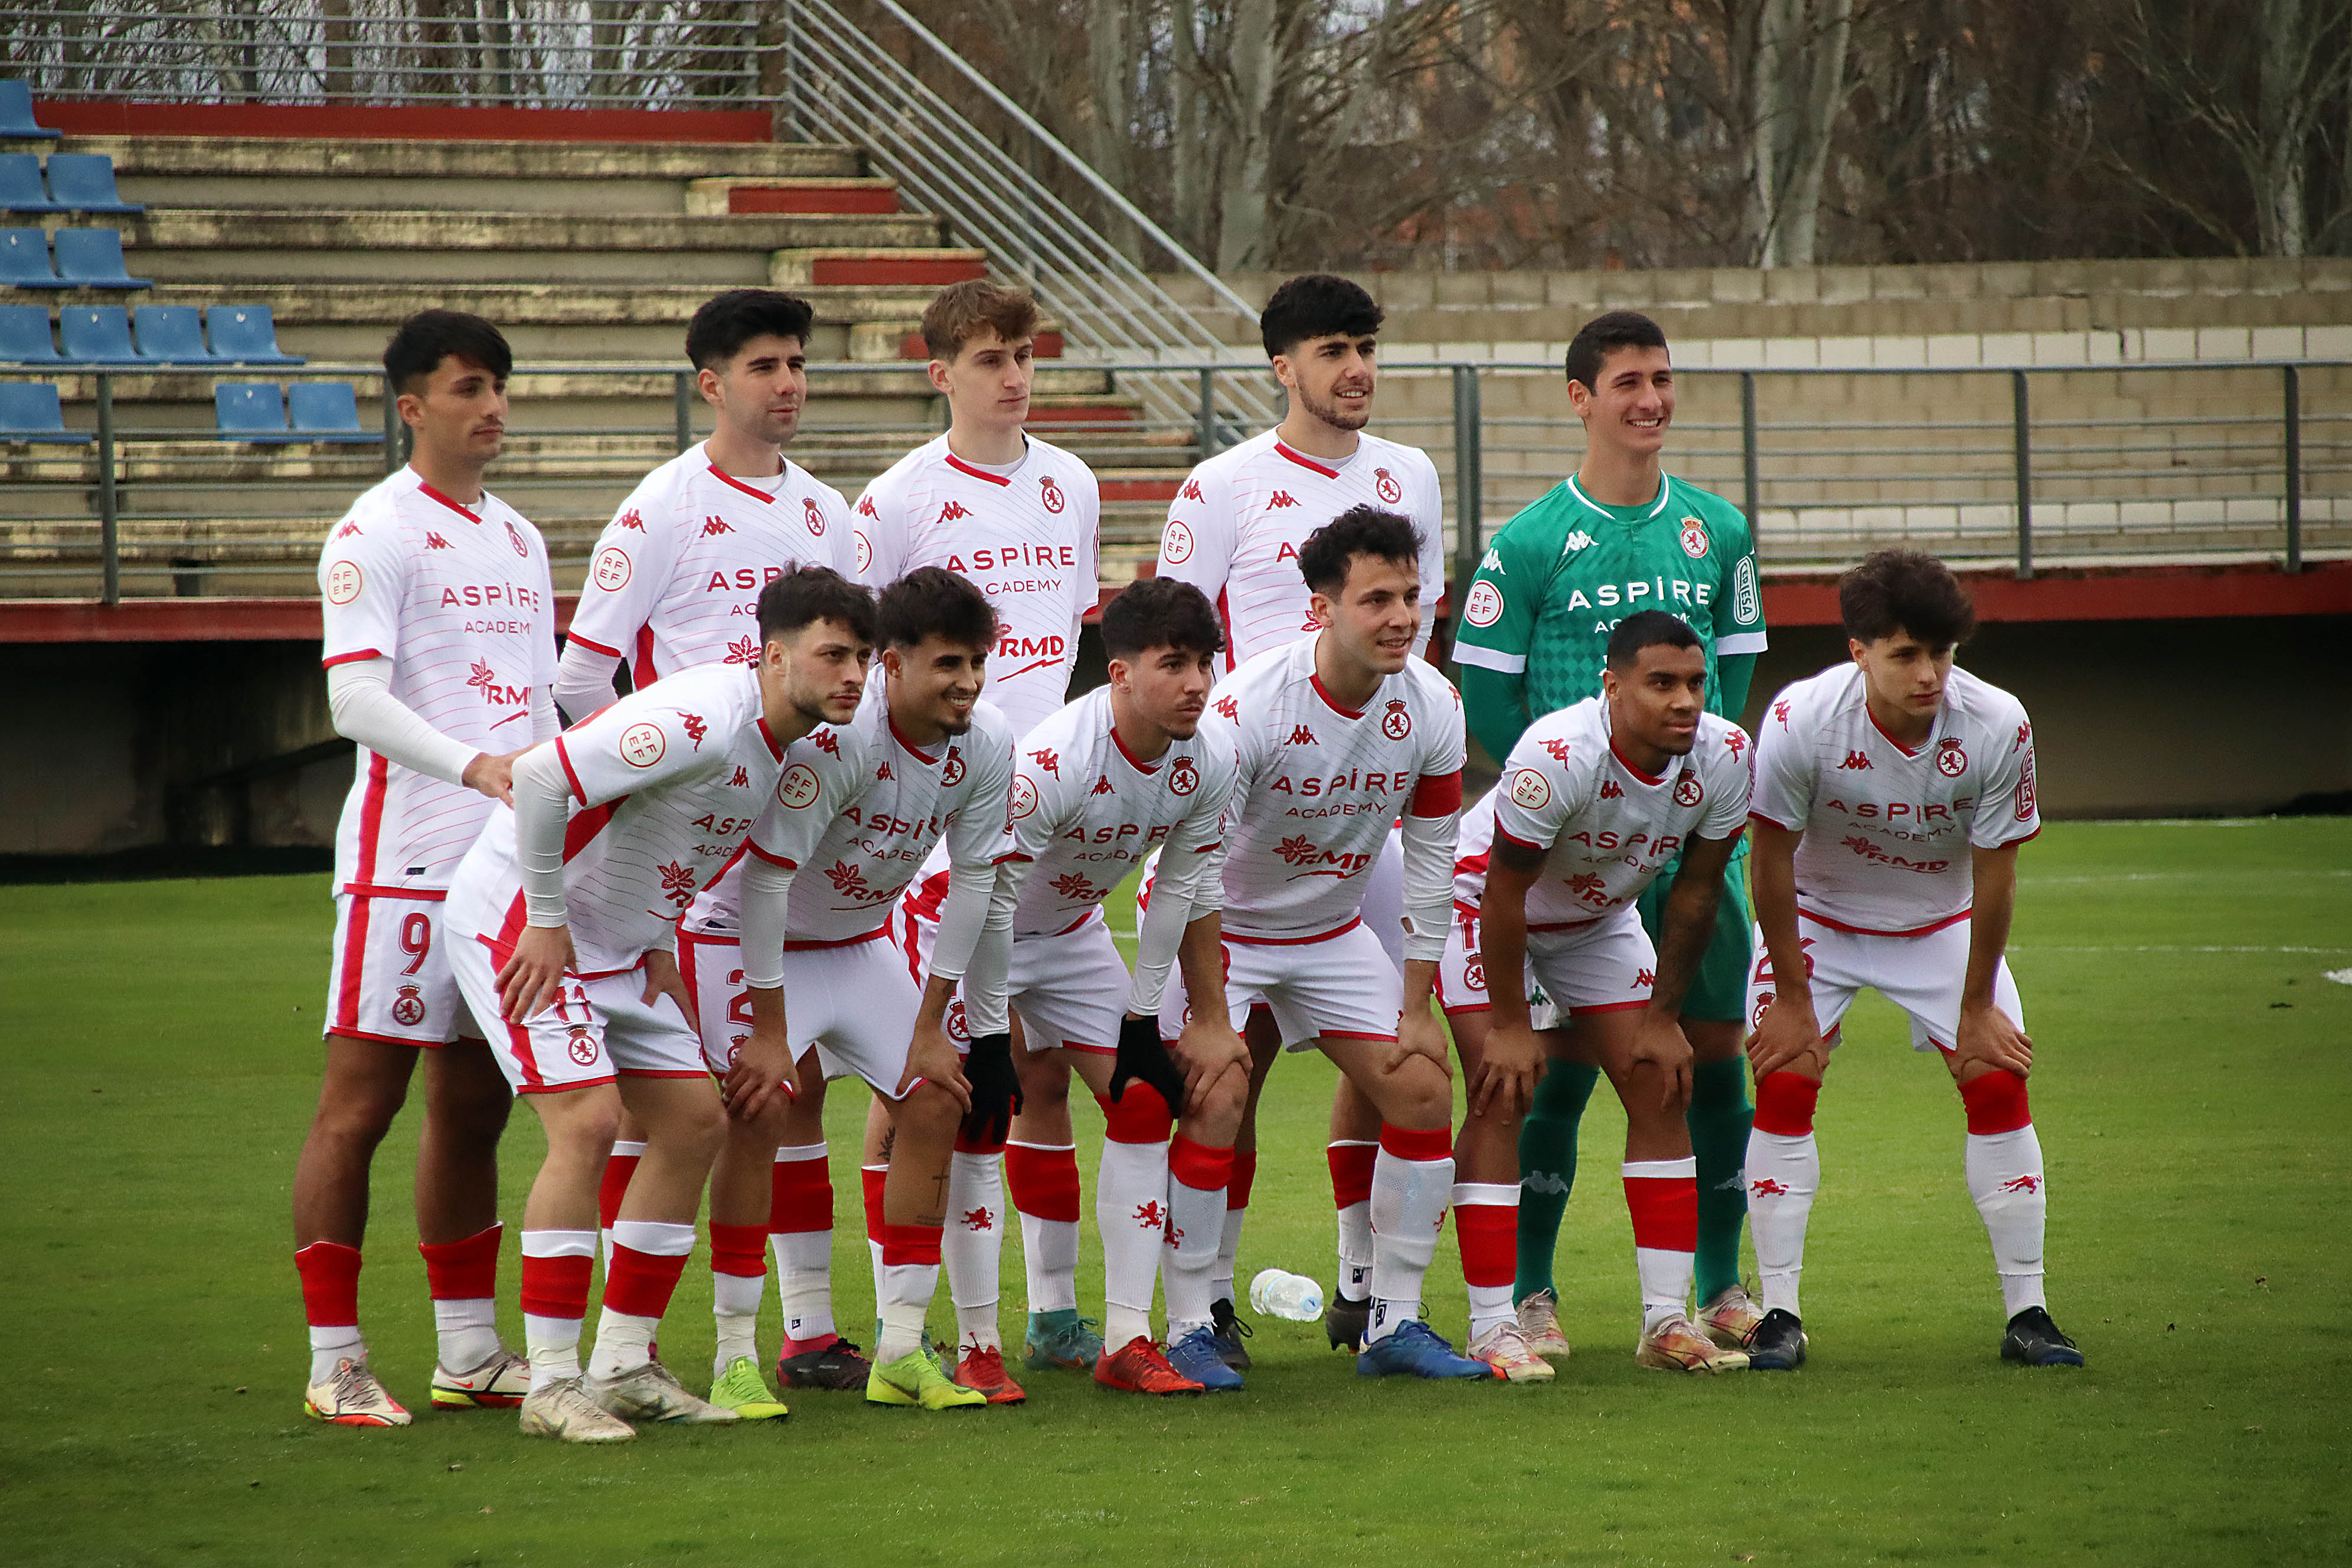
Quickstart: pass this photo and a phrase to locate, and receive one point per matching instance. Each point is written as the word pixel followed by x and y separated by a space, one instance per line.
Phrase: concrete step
pixel 725 194
pixel 196 157
pixel 926 268
pixel 287 228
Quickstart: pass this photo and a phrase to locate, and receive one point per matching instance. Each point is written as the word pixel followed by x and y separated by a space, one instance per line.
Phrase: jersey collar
pixel 1002 482
pixel 425 490
pixel 1303 461
pixel 725 478
pixel 1666 489
pixel 912 749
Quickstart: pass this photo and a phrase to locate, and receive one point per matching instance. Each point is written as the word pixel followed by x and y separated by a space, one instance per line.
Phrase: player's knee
pixel 359 1114
pixel 1222 1104
pixel 1139 1115
pixel 928 1113
pixel 1420 1095
pixel 468 1110
pixel 1044 1081
pixel 1995 1102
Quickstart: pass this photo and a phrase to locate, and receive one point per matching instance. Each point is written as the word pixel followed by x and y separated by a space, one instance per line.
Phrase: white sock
pixel 1131 1213
pixel 735 1306
pixel 624 1340
pixel 1664 1271
pixel 1490 1305
pixel 1196 1228
pixel 1229 1251
pixel 1409 1202
pixel 805 1282
pixel 553 1343
pixel 2004 1171
pixel 908 1288
pixel 1782 1175
pixel 330 1345
pixel 972 1244
pixel 1355 1231
pixel 1049 1248
pixel 468 1333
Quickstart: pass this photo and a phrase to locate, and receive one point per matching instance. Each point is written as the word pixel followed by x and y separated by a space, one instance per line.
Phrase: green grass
pixel 161 1050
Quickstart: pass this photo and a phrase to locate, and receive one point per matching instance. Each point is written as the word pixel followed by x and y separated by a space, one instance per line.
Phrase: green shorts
pixel 1719 992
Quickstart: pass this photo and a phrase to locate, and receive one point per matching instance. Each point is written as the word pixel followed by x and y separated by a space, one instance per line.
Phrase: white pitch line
pixel 2172 877
pixel 2056 947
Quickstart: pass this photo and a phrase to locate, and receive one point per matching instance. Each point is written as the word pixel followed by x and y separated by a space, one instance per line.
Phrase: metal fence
pixel 2022 469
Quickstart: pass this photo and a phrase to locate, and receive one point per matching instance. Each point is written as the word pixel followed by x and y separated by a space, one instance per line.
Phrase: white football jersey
pixel 460 601
pixel 665 783
pixel 1027 535
pixel 1608 827
pixel 1474 840
pixel 1887 830
pixel 1234 529
pixel 1317 785
pixel 676 577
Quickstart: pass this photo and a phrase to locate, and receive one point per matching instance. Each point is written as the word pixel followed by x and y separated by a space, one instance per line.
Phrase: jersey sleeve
pixel 1729 788
pixel 1431 504
pixel 2006 812
pixel 1497 618
pixel 1535 797
pixel 1039 802
pixel 1447 747
pixel 639 741
pixel 545 664
pixel 1783 793
pixel 362 578
pixel 816 786
pixel 1196 546
pixel 878 534
pixel 626 574
pixel 1739 612
pixel 982 833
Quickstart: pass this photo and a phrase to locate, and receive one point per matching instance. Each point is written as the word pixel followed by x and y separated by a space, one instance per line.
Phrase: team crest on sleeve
pixel 642 745
pixel 343 580
pixel 1530 789
pixel 1484 606
pixel 1176 545
pixel 611 572
pixel 798 787
pixel 1385 482
pixel 1049 493
pixel 815 515
pixel 514 537
pixel 1183 777
pixel 1951 760
pixel 952 774
pixel 1686 789
pixel 865 551
pixel 1023 798
pixel 1396 723
pixel 1693 539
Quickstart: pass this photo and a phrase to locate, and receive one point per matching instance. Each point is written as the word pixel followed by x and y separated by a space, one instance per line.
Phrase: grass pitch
pixel 2191 1090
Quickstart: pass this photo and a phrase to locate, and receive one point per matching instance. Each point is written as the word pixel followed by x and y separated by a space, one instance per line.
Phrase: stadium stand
pixel 84 182
pixel 24 260
pixel 250 411
pixel 97 334
pixel 25 336
pixel 326 410
pixel 246 334
pixel 21 190
pixel 92 259
pixel 171 334
pixel 30 411
pixel 16 122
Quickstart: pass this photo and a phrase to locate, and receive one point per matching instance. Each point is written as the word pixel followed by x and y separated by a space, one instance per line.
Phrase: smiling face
pixel 1376 615
pixel 1331 377
pixel 933 687
pixel 758 393
pixel 1629 404
pixel 459 413
pixel 987 384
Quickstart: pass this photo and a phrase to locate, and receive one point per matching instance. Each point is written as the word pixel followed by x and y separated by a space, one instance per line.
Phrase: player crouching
pixel 564 915
pixel 1892 795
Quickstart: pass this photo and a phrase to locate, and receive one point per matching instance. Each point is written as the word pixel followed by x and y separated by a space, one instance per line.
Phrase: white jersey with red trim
pixel 1607 827
pixel 460 601
pixel 1317 785
pixel 675 577
pixel 858 810
pixel 1474 841
pixel 1027 535
pixel 666 785
pixel 1234 529
pixel 1887 829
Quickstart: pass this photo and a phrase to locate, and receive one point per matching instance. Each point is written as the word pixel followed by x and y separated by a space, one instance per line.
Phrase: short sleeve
pixel 1733 783
pixel 878 535
pixel 1196 545
pixel 982 833
pixel 816 786
pixel 839 545
pixel 1447 747
pixel 643 740
pixel 362 580
pixel 1432 544
pixel 1498 617
pixel 627 571
pixel 2006 812
pixel 1783 794
pixel 1534 798
pixel 1202 827
pixel 1739 612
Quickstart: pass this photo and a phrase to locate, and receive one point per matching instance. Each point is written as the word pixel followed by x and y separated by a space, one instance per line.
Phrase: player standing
pixel 439 645
pixel 1892 794
pixel 564 923
pixel 675 582
pixel 1620 535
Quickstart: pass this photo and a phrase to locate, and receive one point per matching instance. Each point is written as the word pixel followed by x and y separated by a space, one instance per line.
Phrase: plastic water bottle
pixel 1280 1294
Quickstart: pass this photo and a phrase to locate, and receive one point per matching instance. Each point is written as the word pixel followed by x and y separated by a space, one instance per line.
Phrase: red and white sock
pixel 330 1301
pixel 1043 1179
pixel 1351 1161
pixel 1413 1182
pixel 648 1256
pixel 2004 1170
pixel 870 1179
pixel 908 1275
pixel 974 1245
pixel 1198 1174
pixel 1486 1222
pixel 620 1166
pixel 800 1229
pixel 1662 1197
pixel 1783 1171
pixel 555 1269
pixel 463 1277
pixel 739 1274
pixel 1131 1208
pixel 1229 1244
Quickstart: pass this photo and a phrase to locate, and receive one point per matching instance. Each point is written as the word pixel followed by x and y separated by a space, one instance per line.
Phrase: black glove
pixel 995 1090
pixel 1142 1057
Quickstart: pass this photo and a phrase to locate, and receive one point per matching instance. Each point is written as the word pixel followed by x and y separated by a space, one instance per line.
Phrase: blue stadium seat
pixel 97 334
pixel 250 411
pixel 84 182
pixel 29 411
pixel 20 186
pixel 245 334
pixel 24 260
pixel 171 334
pixel 25 336
pixel 326 410
pixel 92 259
pixel 17 113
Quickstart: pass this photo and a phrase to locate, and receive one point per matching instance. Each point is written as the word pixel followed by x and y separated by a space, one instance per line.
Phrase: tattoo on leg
pixel 889 1139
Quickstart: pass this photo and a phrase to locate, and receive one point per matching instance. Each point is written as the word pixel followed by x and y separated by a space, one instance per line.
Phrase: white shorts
pixel 1603 967
pixel 853 1001
pixel 1338 987
pixel 390 980
pixel 594 1031
pixel 1462 976
pixel 1070 987
pixel 1923 975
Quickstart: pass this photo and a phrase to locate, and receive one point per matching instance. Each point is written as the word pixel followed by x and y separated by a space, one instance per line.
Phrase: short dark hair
pixel 813 593
pixel 1589 348
pixel 1647 629
pixel 1904 591
pixel 1317 305
pixel 726 322
pixel 420 343
pixel 1160 612
pixel 962 309
pixel 1358 530
pixel 933 599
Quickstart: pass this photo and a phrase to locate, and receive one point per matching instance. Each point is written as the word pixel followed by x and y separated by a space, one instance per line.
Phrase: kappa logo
pixel 583 1046
pixel 979 1219
pixel 642 745
pixel 953 512
pixel 1281 499
pixel 1191 490
pixel 742 650
pixel 1693 539
pixel 1047 760
pixel 1074 885
pixel 1183 776
pixel 1150 1217
pixel 349 530
pixel 1644 978
pixel 1300 735
pixel 434 541
pixel 1544 1182
pixel 1385 482
pixel 798 787
pixel 1484 604
pixel 1557 749
pixel 1049 493
pixel 951 774
pixel 882 772
pixel 611 572
pixel 1226 705
pixel 677 883
pixel 1176 545
pixel 696 730
pixel 408 1008
pixel 2024 733
pixel 826 741
pixel 1580 540
pixel 1102 785
pixel 866 507
pixel 2021 1184
pixel 1686 789
pixel 1951 760
pixel 1609 790
pixel 1780 714
pixel 1855 761
pixel 741 780
pixel 514 537
pixel 1396 723
pixel 630 519
pixel 1737 740
pixel 714 526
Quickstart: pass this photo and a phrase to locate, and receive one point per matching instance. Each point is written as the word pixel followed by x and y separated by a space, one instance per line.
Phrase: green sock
pixel 1547 1169
pixel 1719 1117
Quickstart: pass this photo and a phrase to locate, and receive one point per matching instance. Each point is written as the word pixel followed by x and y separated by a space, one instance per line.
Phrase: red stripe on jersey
pixel 1306 462
pixel 351 657
pixel 1316 681
pixel 370 891
pixel 1437 794
pixel 428 491
pixel 727 478
pixel 1759 817
pixel 959 466
pixel 768 736
pixel 882 930
pixel 912 749
pixel 592 645
pixel 1906 750
pixel 770 860
pixel 1864 931
pixel 565 758
pixel 1297 941
pixel 643 673
pixel 1138 763
pixel 1509 836
pixel 1627 763
pixel 372 818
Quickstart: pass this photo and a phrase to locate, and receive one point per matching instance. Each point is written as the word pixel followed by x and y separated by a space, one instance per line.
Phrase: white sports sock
pixel 1664 1271
pixel 1229 1251
pixel 553 1346
pixel 735 1306
pixel 1409 1202
pixel 1487 1250
pixel 1355 1226
pixel 972 1244
pixel 1130 1211
pixel 805 1282
pixel 468 1333
pixel 908 1290
pixel 2004 1171
pixel 1196 1231
pixel 1782 1173
pixel 1049 1246
pixel 330 1345
pixel 624 1340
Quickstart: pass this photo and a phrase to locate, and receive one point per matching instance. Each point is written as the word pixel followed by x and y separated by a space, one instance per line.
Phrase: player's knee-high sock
pixel 1662 1197
pixel 739 1276
pixel 620 1166
pixel 1130 1208
pixel 2004 1169
pixel 975 1241
pixel 1782 1171
pixel 1351 1161
pixel 1198 1177
pixel 1548 1168
pixel 1719 1117
pixel 330 1301
pixel 463 1277
pixel 1412 1181
pixel 648 1256
pixel 870 1181
pixel 907 1276
pixel 1229 1243
pixel 555 1269
pixel 1043 1181
pixel 800 1229
pixel 1487 1223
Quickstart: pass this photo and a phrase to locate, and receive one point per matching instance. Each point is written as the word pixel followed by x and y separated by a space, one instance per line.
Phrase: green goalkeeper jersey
pixel 1560 576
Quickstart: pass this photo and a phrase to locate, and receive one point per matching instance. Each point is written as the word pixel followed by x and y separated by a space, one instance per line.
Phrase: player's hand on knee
pixel 994 1090
pixel 1419 1035
pixel 1510 1066
pixel 493 776
pixel 932 1058
pixel 532 976
pixel 1787 1036
pixel 1988 1035
pixel 662 979
pixel 1142 1058
pixel 1660 1045
pixel 1208 1049
pixel 764 1071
